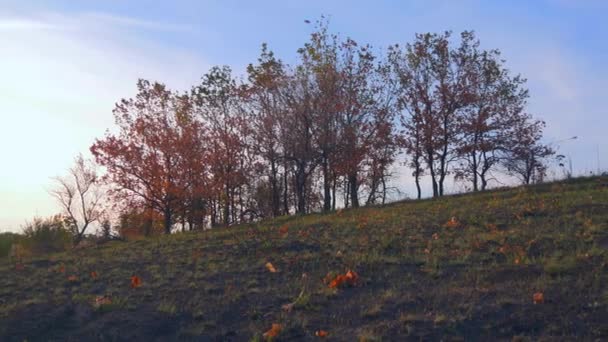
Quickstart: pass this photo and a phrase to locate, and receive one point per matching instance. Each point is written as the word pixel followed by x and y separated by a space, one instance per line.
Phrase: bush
pixel 48 235
pixel 6 240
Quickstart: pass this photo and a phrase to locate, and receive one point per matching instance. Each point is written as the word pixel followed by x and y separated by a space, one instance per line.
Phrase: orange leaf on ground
pixel 284 230
pixel 538 298
pixel 102 300
pixel 274 331
pixel 321 333
pixel 94 275
pixel 350 278
pixel 271 268
pixel 452 223
pixel 135 282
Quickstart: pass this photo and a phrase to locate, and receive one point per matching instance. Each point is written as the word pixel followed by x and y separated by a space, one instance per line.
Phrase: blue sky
pixel 65 63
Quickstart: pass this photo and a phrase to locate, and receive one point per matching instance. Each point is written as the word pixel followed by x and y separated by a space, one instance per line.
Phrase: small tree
pixel 80 196
pixel 526 155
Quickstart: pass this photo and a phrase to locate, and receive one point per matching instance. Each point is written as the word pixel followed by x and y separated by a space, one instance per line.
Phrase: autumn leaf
pixel 271 268
pixel 135 282
pixel 538 298
pixel 273 332
pixel 284 230
pixel 94 275
pixel 350 278
pixel 452 223
pixel 321 333
pixel 101 300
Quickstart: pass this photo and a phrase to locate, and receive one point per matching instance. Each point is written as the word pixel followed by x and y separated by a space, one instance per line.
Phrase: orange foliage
pixel 135 282
pixel 274 331
pixel 538 298
pixel 94 275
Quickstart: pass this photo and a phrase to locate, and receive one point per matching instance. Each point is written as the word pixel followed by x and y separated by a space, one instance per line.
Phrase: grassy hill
pixel 464 266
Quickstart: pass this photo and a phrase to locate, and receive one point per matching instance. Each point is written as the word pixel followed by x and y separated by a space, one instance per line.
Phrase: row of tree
pixel 323 133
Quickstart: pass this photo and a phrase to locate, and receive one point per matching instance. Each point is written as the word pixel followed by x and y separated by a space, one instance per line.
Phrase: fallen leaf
pixel 284 230
pixel 321 333
pixel 350 278
pixel 538 298
pixel 94 275
pixel 271 268
pixel 135 282
pixel 72 278
pixel 274 331
pixel 452 223
pixel 102 300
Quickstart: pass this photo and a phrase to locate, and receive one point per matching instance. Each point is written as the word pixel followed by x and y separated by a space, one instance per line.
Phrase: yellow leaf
pixel 271 268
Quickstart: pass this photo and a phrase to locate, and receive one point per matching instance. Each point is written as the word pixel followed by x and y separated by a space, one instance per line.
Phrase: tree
pixel 264 97
pixel 219 104
pixel 526 155
pixel 434 90
pixel 80 196
pixel 157 147
pixel 496 103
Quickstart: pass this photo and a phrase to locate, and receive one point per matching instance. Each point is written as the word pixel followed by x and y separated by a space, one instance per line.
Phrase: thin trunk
pixel 333 192
pixel 326 186
pixel 275 189
pixel 474 167
pixel 227 206
pixel 432 172
pixel 352 180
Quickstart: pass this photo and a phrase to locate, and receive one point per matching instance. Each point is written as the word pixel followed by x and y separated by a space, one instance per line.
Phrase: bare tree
pixel 80 196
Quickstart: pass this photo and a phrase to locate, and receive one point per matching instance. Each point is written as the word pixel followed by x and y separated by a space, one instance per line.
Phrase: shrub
pixel 6 240
pixel 47 235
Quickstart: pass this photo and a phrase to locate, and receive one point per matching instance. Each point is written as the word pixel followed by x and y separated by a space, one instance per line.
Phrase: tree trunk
pixel 354 187
pixel 474 171
pixel 326 186
pixel 227 206
pixel 432 172
pixel 301 189
pixel 275 189
pixel 168 220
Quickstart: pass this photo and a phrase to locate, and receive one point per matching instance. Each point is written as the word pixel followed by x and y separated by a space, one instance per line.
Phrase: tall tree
pixel 435 91
pixel 219 104
pixel 264 96
pixel 497 101
pixel 147 159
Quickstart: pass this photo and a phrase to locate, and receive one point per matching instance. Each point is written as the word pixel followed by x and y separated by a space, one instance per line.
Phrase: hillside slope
pixel 464 266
